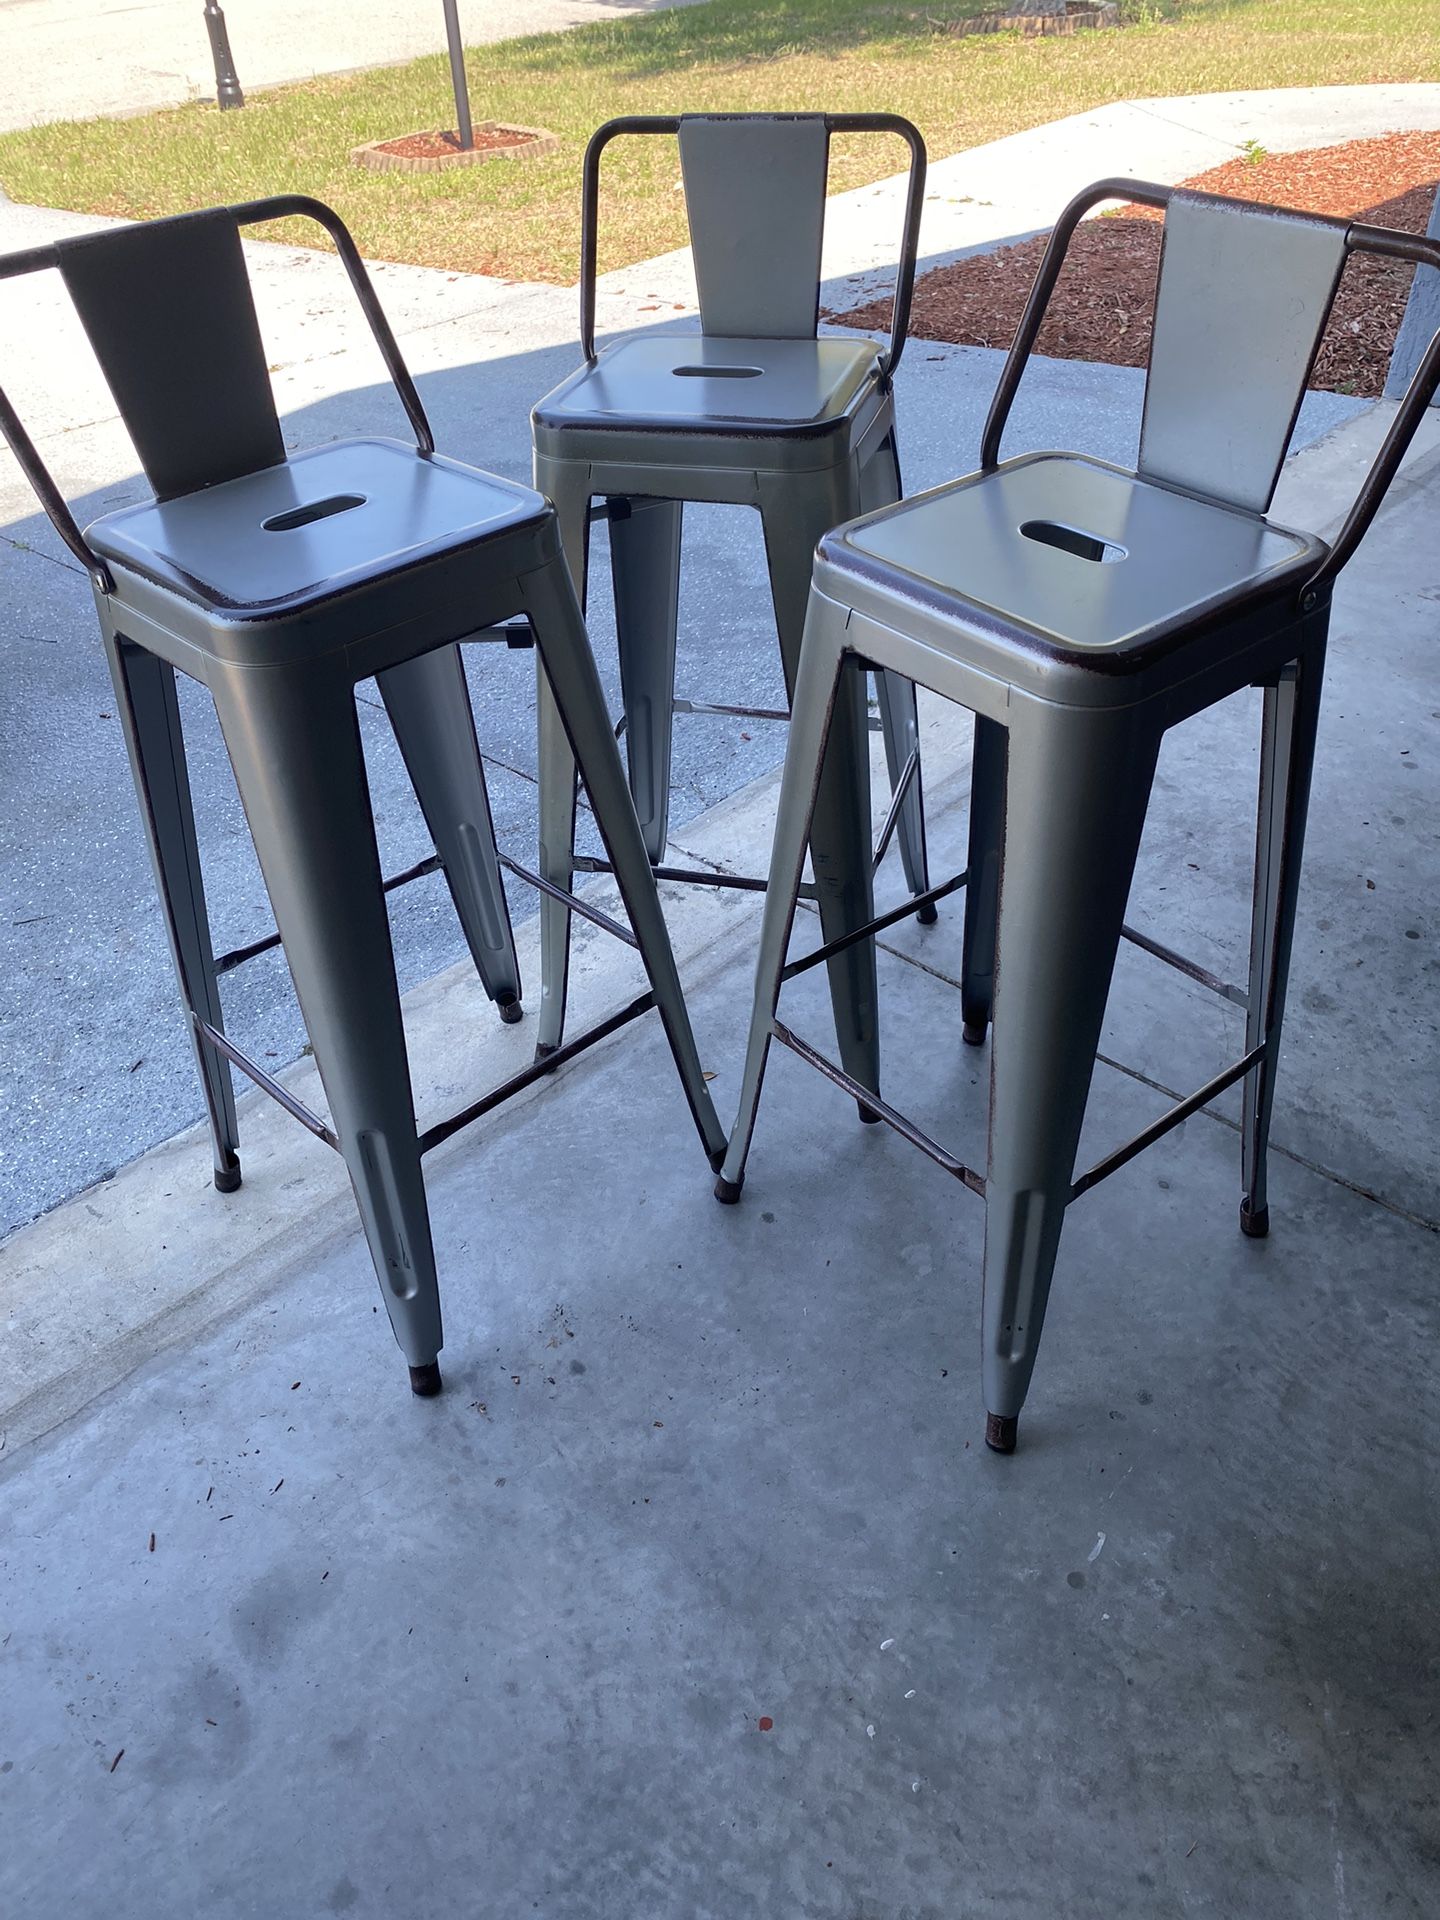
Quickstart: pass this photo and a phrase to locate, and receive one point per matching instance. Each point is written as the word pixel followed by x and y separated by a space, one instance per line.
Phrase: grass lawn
pixel 520 219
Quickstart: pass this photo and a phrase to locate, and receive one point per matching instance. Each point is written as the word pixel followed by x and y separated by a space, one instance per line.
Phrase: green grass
pixel 521 219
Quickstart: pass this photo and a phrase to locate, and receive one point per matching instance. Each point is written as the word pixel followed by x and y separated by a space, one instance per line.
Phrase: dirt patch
pixel 1104 301
pixel 440 146
pixel 432 152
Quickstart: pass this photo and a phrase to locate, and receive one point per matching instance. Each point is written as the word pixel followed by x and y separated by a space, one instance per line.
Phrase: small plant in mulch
pixel 1103 306
pixel 463 145
pixel 432 152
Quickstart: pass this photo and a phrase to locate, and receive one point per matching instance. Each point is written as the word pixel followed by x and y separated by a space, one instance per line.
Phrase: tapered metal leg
pixel 1075 798
pixel 296 753
pixel 1287 756
pixel 645 570
pixel 982 889
pixel 150 717
pixel 815 689
pixel 899 715
pixel 556 764
pixel 795 516
pixel 429 706
pixel 579 702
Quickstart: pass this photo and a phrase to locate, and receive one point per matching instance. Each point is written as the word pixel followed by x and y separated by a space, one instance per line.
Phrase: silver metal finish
pixel 1239 311
pixel 1080 611
pixel 429 708
pixel 279 586
pixel 754 411
pixel 755 200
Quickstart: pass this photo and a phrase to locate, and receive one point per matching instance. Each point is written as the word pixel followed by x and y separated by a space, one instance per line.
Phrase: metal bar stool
pixel 279 582
pixel 1079 611
pixel 755 412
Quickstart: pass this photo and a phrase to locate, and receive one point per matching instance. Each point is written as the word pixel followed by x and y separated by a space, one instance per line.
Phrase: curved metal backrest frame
pixel 1354 237
pixel 249 213
pixel 833 123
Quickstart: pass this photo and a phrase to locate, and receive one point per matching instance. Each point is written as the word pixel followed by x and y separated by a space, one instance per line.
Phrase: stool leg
pixel 795 515
pixel 556 766
pixel 899 714
pixel 579 699
pixel 301 773
pixel 982 888
pixel 150 719
pixel 645 572
pixel 815 688
pixel 1075 798
pixel 429 706
pixel 1287 755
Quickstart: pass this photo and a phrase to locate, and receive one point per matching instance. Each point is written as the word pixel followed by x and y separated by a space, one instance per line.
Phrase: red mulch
pixel 1104 300
pixel 439 146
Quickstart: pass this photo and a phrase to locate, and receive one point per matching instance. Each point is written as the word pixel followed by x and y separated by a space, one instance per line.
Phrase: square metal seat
pixel 712 388
pixel 326 522
pixel 1067 565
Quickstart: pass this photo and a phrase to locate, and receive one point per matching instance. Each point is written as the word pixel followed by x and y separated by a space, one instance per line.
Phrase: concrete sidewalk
pixel 100 1069
pixel 75 59
pixel 697 1593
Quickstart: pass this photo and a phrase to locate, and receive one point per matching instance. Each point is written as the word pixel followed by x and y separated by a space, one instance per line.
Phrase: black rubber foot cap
pixel 543 1052
pixel 425 1381
pixel 1255 1226
pixel 973 1032
pixel 227 1179
pixel 1001 1431
pixel 867 1114
pixel 511 1011
pixel 728 1191
pixel 928 914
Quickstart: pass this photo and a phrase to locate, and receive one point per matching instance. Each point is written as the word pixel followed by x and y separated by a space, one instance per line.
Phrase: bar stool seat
pixel 1005 543
pixel 709 388
pixel 330 521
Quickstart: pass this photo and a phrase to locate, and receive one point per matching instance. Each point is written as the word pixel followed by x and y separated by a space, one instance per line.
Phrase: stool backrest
pixel 168 310
pixel 1242 301
pixel 1243 297
pixel 169 313
pixel 755 202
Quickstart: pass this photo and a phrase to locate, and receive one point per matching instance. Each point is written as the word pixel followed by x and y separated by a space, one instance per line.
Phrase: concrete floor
pixel 696 1468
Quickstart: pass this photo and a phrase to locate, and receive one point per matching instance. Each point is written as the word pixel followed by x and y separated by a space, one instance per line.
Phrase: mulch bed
pixel 440 146
pixel 1104 301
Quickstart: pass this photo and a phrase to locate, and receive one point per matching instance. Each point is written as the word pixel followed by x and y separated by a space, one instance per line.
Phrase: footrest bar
pixel 897 800
pixel 833 947
pixel 593 914
pixel 690 876
pixel 1113 1162
pixel 892 1117
pixel 729 713
pixel 267 1083
pixel 237 956
pixel 1191 968
pixel 443 1129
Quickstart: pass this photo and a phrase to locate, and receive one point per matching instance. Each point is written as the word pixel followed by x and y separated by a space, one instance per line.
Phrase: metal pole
pixel 227 82
pixel 457 75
